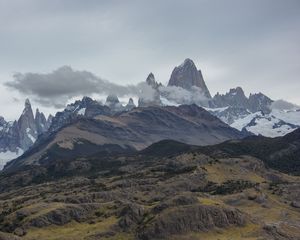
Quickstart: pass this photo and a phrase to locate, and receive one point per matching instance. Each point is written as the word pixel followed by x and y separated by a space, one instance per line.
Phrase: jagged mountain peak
pixel 260 102
pixel 40 122
pixel 27 102
pixel 130 105
pixel 50 117
pixel 150 80
pixel 87 100
pixel 150 76
pixel 188 62
pixel 234 98
pixel 113 102
pixel 188 76
pixel 2 121
pixel 237 90
pixel 27 107
pixel 112 99
pixel 130 101
pixel 18 136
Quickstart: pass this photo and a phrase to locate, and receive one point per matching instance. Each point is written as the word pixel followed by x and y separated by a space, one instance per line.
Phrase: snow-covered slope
pixel 290 116
pixel 277 123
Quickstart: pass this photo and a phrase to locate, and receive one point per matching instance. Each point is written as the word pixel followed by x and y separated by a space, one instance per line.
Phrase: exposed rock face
pixel 130 105
pixel 187 76
pixel 135 129
pixel 27 127
pixel 86 107
pixel 112 101
pixel 230 114
pixel 193 218
pixel 9 136
pixel 235 108
pixel 49 120
pixel 18 136
pixel 155 99
pixel 152 82
pixel 259 102
pixel 61 216
pixel 236 98
pixel 40 122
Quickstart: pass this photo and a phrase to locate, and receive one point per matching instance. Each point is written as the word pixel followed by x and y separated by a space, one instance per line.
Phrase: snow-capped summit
pixel 268 125
pixel 187 76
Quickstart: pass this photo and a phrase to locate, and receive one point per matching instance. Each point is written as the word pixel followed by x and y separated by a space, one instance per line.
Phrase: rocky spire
pixel 27 127
pixel 187 76
pixel 112 101
pixel 130 105
pixel 152 82
pixel 40 122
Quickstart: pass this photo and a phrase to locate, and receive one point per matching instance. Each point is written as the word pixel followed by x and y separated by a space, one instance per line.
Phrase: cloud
pixel 253 44
pixel 182 96
pixel 284 105
pixel 56 88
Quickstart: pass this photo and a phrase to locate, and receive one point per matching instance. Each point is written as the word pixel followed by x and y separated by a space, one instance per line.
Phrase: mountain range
pixel 180 165
pixel 17 136
pixel 256 114
pixel 101 131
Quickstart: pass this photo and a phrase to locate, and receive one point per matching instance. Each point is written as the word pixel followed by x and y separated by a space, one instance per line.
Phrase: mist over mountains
pixel 256 114
pixel 169 161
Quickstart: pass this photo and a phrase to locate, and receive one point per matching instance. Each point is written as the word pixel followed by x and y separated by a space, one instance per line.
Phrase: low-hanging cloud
pixel 182 96
pixel 56 88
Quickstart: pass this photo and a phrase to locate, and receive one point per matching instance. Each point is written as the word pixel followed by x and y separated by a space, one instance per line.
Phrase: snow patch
pixel 81 111
pixel 267 125
pixel 167 102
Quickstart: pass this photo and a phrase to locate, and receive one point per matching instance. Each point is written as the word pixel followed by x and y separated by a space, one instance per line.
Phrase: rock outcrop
pixel 152 82
pixel 191 218
pixel 130 105
pixel 112 101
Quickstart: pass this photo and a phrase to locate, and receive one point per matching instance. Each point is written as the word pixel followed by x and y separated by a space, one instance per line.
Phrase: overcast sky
pixel 249 43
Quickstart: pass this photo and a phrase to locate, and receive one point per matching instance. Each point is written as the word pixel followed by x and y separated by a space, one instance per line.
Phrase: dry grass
pixel 71 231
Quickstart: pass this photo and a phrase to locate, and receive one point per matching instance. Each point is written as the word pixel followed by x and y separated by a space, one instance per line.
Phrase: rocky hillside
pixel 126 131
pixel 281 153
pixel 169 190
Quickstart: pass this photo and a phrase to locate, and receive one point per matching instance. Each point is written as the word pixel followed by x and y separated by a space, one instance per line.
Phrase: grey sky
pixel 253 44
